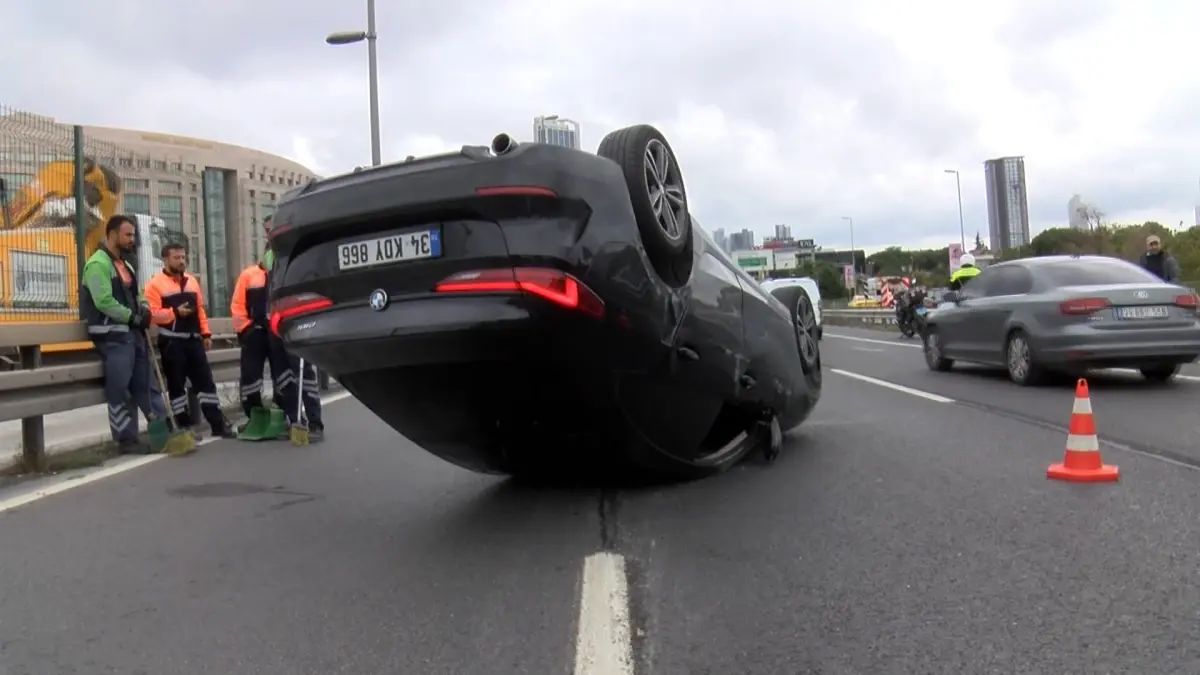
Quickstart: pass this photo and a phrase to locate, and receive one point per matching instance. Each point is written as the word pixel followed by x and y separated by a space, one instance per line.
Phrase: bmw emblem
pixel 379 299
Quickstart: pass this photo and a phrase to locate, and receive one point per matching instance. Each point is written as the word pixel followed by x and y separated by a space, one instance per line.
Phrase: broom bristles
pixel 180 443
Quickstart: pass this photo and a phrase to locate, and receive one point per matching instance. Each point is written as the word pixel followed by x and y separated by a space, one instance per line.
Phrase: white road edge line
pixel 896 387
pixel 604 643
pixel 855 338
pixel 889 343
pixel 100 474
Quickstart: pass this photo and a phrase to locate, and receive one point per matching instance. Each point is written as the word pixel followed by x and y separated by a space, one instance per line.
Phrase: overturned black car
pixel 520 306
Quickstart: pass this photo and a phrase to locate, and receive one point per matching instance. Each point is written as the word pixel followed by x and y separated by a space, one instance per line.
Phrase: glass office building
pixel 555 130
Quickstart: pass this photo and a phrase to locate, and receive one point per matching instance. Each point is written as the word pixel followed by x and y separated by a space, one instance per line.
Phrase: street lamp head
pixel 950 171
pixel 346 37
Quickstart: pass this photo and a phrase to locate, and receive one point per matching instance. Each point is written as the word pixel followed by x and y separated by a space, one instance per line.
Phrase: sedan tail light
pixel 1187 301
pixel 1083 306
pixel 553 285
pixel 294 305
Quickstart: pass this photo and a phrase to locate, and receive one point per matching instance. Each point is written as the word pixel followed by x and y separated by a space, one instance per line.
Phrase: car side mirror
pixel 952 296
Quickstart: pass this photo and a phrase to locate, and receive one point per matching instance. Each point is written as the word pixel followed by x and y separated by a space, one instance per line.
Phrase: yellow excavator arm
pixel 48 200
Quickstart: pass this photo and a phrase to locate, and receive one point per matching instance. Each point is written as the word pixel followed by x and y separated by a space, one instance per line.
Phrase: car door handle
pixel 687 354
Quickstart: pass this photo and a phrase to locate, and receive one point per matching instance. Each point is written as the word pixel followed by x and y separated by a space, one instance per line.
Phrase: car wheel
pixel 934 357
pixel 656 190
pixel 1021 361
pixel 1162 373
pixel 808 333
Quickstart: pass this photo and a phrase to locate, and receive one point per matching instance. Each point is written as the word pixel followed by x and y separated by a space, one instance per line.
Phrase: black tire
pixel 1161 374
pixel 656 190
pixel 931 346
pixel 820 333
pixel 1021 361
pixel 808 333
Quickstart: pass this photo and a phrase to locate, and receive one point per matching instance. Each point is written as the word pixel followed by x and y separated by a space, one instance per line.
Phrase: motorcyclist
pixel 965 272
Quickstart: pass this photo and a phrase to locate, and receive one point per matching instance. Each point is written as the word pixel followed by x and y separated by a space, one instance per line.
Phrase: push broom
pixel 178 442
pixel 299 430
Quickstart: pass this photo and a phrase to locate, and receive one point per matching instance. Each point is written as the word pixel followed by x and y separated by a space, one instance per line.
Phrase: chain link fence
pixel 57 190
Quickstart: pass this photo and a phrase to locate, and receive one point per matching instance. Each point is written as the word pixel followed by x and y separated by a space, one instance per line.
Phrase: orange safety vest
pixel 248 306
pixel 166 293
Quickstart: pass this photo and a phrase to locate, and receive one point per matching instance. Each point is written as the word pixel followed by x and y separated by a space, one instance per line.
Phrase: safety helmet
pixel 967 259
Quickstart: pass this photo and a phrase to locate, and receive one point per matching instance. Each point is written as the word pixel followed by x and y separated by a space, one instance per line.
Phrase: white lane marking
pixel 604 643
pixel 105 472
pixel 868 349
pixel 889 343
pixel 1131 371
pixel 929 396
pixel 855 338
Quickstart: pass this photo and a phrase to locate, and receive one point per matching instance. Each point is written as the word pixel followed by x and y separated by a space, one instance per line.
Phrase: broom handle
pixel 162 383
pixel 300 417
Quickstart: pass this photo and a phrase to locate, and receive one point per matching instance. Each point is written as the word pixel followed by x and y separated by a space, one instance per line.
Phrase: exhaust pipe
pixel 503 144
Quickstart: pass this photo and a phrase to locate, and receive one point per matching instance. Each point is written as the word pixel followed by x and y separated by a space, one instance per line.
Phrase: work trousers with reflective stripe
pixel 128 382
pixel 184 359
pixel 259 348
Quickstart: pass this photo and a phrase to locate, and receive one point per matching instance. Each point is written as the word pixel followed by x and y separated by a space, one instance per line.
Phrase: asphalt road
pixel 1158 419
pixel 898 533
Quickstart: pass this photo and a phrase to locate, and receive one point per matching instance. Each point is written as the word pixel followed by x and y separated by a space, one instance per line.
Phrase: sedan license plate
pixel 1142 313
pixel 391 249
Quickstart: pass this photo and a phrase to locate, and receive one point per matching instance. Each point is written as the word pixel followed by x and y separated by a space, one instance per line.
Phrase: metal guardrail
pixel 33 392
pixel 855 317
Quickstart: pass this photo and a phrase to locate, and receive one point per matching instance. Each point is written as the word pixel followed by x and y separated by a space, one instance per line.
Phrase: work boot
pixel 224 431
pixel 316 434
pixel 134 448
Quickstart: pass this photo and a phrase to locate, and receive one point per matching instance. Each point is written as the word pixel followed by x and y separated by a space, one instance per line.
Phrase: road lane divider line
pixel 604 642
pixel 1131 371
pixel 101 473
pixel 890 343
pixel 929 396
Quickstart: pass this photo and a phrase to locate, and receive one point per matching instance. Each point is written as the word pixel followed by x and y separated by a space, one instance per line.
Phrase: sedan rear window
pixel 1095 273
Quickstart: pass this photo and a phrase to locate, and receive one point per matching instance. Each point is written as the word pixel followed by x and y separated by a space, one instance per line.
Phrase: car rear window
pixel 1095 272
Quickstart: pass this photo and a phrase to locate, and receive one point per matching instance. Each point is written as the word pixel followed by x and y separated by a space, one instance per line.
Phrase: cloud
pixel 796 113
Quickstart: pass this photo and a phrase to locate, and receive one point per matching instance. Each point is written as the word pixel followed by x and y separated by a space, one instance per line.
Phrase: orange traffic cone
pixel 1081 462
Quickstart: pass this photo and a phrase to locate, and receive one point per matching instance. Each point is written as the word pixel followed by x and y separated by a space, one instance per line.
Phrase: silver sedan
pixel 1037 316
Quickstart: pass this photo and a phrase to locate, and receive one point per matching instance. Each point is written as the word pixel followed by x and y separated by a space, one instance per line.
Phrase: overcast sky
pixel 794 112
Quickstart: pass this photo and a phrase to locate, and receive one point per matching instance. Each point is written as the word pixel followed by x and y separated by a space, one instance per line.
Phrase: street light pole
pixel 853 258
pixel 351 37
pixel 962 228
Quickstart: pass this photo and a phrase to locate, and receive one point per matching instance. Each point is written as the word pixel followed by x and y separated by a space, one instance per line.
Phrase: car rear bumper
pixel 1101 349
pixel 473 379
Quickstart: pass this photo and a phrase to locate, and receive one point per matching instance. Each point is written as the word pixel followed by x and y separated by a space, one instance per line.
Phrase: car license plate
pixel 391 249
pixel 921 310
pixel 1142 313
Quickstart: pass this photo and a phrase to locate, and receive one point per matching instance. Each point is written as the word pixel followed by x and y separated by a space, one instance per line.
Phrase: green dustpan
pixel 256 427
pixel 265 424
pixel 158 433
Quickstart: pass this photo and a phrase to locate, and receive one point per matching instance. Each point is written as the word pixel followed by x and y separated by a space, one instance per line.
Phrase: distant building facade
pixel 1007 202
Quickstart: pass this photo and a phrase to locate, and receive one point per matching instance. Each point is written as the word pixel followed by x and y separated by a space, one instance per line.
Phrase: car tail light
pixel 1187 301
pixel 515 190
pixel 554 285
pixel 295 305
pixel 1080 306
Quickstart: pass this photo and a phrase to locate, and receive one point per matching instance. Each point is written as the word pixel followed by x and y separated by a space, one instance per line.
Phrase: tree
pixel 979 247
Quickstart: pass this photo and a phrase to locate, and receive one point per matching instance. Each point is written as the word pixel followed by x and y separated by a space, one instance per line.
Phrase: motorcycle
pixel 910 315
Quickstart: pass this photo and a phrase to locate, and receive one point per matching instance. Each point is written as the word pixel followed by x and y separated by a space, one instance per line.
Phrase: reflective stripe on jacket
pixel 106 301
pixel 166 293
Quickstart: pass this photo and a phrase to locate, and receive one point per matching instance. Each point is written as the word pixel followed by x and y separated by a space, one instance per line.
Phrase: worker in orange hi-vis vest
pixel 177 307
pixel 251 319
